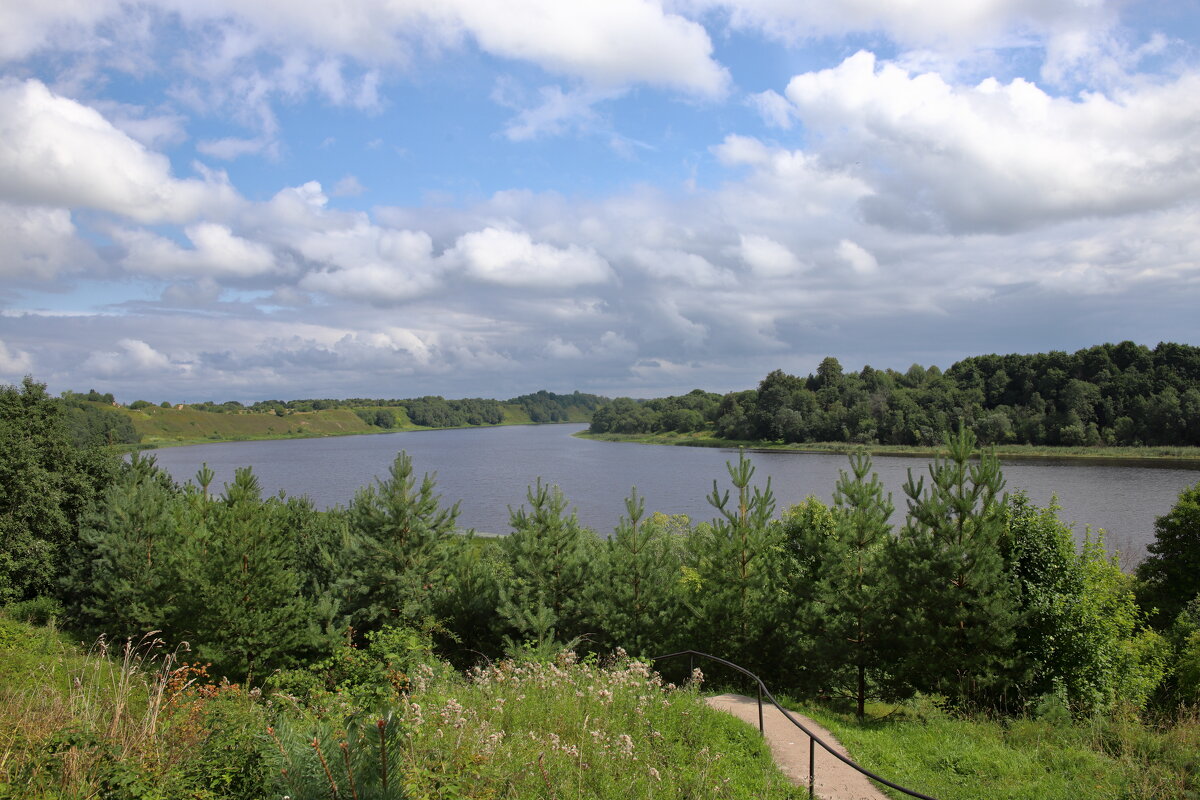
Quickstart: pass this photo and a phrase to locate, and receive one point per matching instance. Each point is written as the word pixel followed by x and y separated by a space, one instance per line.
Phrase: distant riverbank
pixel 1173 457
pixel 178 427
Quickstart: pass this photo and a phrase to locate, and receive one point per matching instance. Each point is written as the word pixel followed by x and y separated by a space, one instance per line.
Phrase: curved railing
pixel 813 739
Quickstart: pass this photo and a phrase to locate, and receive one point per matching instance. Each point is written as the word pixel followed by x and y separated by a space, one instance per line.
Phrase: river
pixel 489 469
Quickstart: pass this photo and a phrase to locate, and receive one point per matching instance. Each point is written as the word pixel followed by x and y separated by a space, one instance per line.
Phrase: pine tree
pixel 956 607
pixel 398 539
pixel 855 589
pixel 134 561
pixel 734 603
pixel 639 606
pixel 251 615
pixel 550 557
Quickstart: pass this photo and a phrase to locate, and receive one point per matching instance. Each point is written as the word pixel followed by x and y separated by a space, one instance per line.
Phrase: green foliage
pixel 1170 573
pixel 551 558
pixel 46 486
pixel 640 604
pixel 245 580
pixel 1123 394
pixel 734 602
pixel 1131 658
pixel 1080 633
pixel 855 592
pixel 957 610
pixel 252 613
pixel 543 406
pixel 93 425
pixel 398 548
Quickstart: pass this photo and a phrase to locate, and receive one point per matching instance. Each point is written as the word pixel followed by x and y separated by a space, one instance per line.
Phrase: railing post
pixel 760 718
pixel 812 780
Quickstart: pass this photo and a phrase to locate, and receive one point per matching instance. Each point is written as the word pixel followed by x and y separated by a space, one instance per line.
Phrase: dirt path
pixel 789 746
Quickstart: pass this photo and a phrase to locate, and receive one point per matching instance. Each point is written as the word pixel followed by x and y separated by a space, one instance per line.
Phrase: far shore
pixel 1165 457
pixel 159 444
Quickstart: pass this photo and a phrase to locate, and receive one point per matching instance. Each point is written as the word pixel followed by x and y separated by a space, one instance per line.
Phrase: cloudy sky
pixel 259 199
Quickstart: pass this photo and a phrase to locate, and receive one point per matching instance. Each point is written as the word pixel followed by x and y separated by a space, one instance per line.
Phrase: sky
pixel 263 199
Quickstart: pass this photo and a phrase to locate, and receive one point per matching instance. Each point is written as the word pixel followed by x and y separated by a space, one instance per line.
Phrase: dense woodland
pixel 1122 394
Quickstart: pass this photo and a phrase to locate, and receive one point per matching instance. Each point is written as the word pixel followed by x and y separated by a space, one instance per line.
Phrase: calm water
pixel 489 469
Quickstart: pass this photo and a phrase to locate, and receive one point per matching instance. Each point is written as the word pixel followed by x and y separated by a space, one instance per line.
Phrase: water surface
pixel 489 469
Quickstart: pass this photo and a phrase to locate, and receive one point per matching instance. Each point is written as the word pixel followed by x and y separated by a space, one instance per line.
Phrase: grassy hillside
pixel 172 426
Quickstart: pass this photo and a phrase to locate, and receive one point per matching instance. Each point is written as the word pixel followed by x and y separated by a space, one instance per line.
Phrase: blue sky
pixel 255 199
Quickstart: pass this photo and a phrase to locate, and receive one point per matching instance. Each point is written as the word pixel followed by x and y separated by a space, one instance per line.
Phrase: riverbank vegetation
pixel 97 419
pixel 1109 395
pixel 345 644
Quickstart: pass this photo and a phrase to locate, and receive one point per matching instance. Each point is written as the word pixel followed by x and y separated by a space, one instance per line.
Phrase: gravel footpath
pixel 789 747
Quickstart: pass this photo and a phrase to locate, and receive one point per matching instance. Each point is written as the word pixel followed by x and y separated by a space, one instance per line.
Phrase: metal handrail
pixel 812 737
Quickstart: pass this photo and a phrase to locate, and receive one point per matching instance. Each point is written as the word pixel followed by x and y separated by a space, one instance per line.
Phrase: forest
pixel 974 597
pixel 1110 394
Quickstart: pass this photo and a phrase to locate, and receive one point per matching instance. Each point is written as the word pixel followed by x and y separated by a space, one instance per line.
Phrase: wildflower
pixel 654 774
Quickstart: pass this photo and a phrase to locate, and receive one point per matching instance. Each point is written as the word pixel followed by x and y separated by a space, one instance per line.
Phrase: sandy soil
pixel 789 746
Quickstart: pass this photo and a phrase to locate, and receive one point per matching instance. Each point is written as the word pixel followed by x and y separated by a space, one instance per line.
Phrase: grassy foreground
pixel 139 723
pixel 959 757
pixel 1184 457
pixel 142 725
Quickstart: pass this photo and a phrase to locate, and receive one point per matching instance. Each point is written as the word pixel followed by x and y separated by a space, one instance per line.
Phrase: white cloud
pixel 1002 156
pixel 512 258
pixel 135 359
pixel 606 44
pixel 40 243
pixel 554 112
pixel 348 186
pixel 57 152
pixel 370 263
pixel 26 27
pixel 215 252
pixel 611 44
pixel 946 24
pixel 773 108
pixel 767 257
pixel 231 148
pixel 855 255
pixel 14 364
pixel 557 348
pixel 677 266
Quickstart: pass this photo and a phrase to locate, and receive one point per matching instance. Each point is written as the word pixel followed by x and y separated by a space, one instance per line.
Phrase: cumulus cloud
pixel 857 257
pixel 615 43
pixel 512 258
pixel 57 152
pixel 678 266
pixel 557 348
pixel 134 359
pixel 998 156
pixel 40 243
pixel 14 363
pixel 215 252
pixel 767 257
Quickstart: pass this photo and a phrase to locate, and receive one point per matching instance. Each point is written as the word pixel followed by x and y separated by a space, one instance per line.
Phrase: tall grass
pixel 530 730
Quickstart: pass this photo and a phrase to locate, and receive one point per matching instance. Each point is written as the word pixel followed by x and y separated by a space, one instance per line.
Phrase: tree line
pixel 973 595
pixel 1110 394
